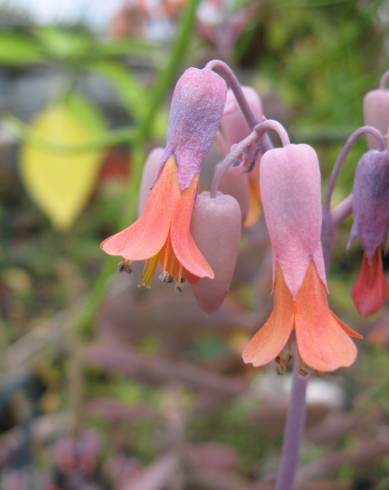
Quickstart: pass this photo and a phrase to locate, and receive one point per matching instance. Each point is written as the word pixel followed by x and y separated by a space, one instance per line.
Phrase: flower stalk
pixel 294 430
pixel 234 85
pixel 343 155
pixel 258 131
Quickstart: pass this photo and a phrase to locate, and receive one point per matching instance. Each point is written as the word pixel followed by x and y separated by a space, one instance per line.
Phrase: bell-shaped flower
pixel 376 112
pixel 216 228
pixel 371 224
pixel 162 232
pixel 291 194
pixel 243 185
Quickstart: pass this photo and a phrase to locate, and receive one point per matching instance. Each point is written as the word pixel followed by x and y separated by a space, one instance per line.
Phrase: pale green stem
pixel 25 133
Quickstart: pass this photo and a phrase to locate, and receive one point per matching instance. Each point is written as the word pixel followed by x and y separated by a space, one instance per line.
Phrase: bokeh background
pixel 107 386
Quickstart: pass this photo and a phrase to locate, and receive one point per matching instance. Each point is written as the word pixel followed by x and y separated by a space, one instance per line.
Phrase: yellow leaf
pixel 61 183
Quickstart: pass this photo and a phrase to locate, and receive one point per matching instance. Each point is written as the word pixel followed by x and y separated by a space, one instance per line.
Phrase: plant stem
pixel 294 430
pixel 384 80
pixel 258 131
pixel 342 157
pixel 23 131
pixel 342 210
pixel 233 83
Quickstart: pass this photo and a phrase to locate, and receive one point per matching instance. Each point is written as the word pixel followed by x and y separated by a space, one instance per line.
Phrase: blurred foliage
pixel 59 185
pixel 312 61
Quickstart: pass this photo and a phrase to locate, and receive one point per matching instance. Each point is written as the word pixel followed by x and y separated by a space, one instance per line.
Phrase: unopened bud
pixel 216 228
pixel 376 112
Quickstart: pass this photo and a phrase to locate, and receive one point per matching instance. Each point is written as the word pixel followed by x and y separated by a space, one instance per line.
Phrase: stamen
pixel 166 277
pixel 281 365
pixel 165 255
pixel 125 266
pixel 148 272
pixel 180 280
pixel 303 369
pixel 289 358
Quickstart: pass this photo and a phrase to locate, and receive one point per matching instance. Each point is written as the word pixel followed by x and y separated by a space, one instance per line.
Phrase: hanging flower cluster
pixel 195 236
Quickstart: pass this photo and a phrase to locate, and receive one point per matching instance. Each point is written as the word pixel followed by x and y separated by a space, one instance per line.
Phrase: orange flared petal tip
pixel 272 337
pixel 184 247
pixel 371 289
pixel 145 238
pixel 323 342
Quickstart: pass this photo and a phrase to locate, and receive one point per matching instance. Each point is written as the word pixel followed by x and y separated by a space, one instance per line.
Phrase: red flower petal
pixel 184 247
pixel 370 290
pixel 272 337
pixel 145 238
pixel 322 341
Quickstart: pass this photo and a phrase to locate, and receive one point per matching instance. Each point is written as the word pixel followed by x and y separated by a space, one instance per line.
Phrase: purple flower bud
pixel 371 201
pixel 216 228
pixel 376 112
pixel 150 172
pixel 195 112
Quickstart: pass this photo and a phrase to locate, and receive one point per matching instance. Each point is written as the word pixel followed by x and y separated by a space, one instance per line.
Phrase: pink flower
pixel 291 193
pixel 162 232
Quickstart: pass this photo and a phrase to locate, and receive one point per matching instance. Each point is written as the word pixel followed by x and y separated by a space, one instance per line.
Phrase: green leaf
pixel 64 44
pixel 19 49
pixel 61 184
pixel 126 47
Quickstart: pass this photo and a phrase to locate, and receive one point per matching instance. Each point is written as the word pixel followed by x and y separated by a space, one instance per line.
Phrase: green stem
pixel 168 74
pixel 164 81
pixel 112 138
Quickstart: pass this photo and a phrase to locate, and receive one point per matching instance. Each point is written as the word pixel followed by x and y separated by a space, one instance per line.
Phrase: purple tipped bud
pixel 371 201
pixel 150 173
pixel 376 112
pixel 235 183
pixel 216 229
pixel 196 109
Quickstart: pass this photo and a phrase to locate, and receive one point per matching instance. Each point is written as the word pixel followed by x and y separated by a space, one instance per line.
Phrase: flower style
pixel 290 188
pixel 162 233
pixel 234 128
pixel 371 224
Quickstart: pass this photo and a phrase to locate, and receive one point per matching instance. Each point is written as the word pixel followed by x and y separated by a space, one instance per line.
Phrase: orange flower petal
pixel 184 247
pixel 371 289
pixel 272 337
pixel 349 331
pixel 322 341
pixel 145 238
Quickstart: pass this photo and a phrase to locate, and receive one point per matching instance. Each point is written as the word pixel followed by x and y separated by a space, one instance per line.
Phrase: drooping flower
pixel 162 233
pixel 371 225
pixel 243 186
pixel 290 189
